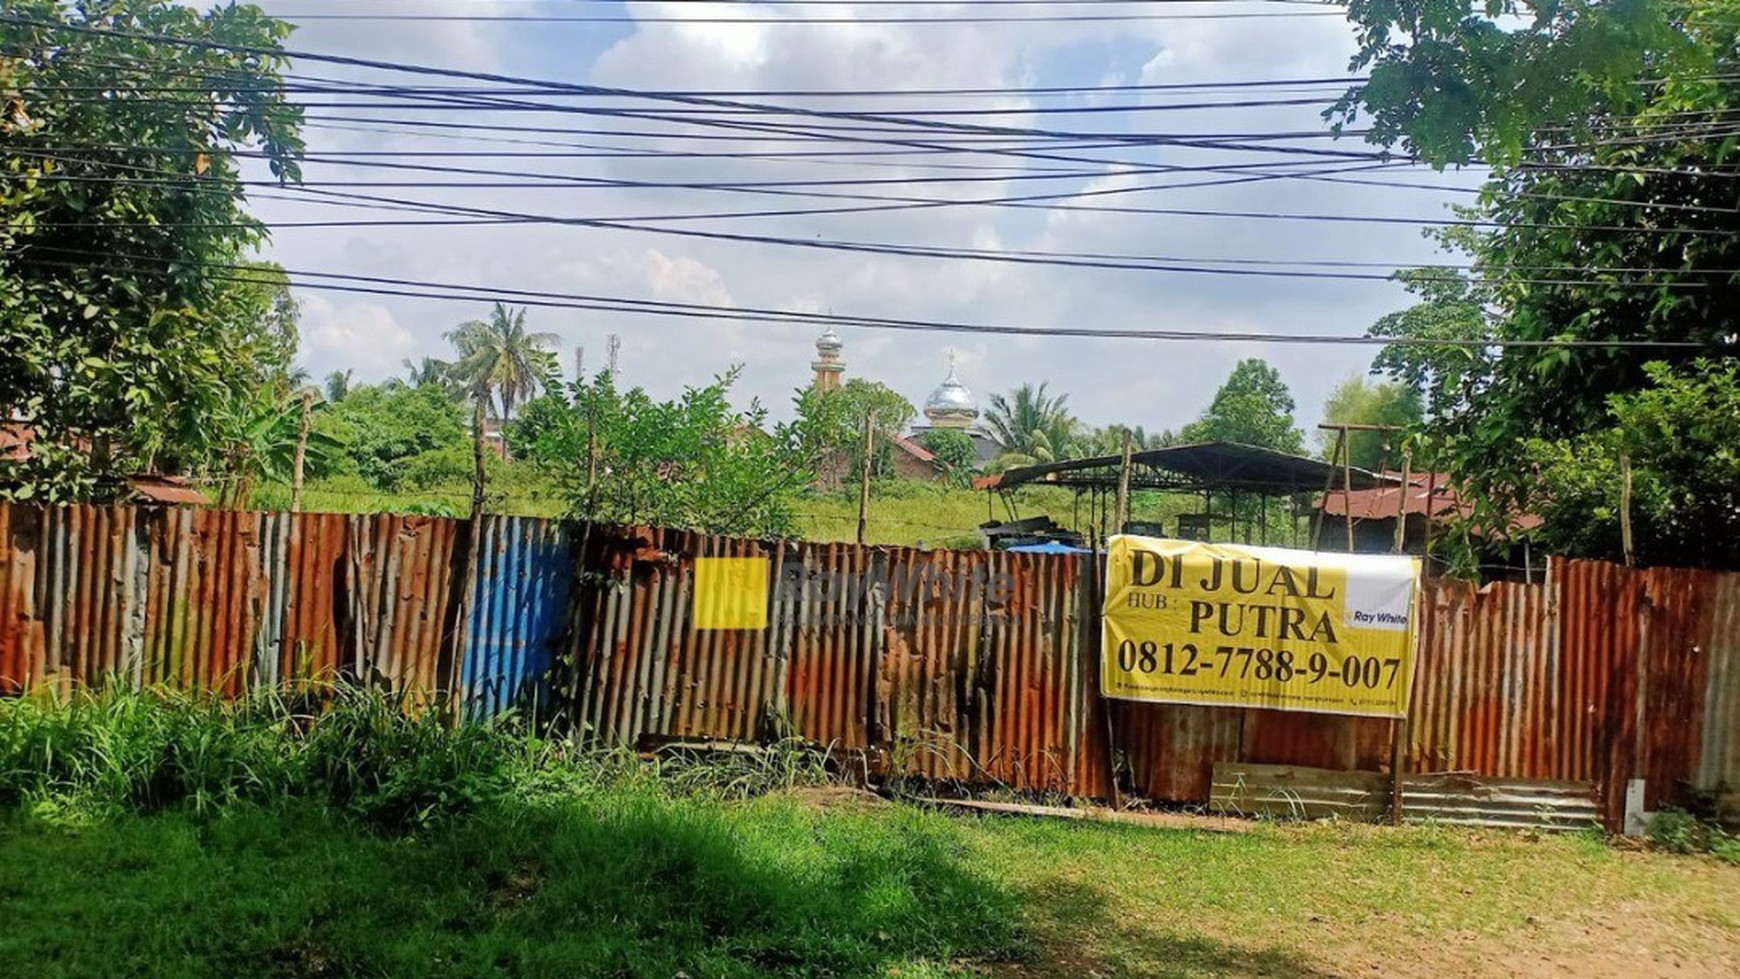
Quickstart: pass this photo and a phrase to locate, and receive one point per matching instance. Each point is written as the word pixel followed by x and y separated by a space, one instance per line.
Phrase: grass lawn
pixel 630 881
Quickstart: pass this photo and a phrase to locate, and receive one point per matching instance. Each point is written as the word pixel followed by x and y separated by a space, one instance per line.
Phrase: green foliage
pixel 1678 831
pixel 1610 216
pixel 1682 437
pixel 1453 83
pixel 1032 426
pixel 1253 407
pixel 695 462
pixel 118 340
pixel 362 752
pixel 1109 441
pixel 1357 401
pixel 265 430
pixel 830 428
pixel 954 450
pixel 537 418
pixel 383 426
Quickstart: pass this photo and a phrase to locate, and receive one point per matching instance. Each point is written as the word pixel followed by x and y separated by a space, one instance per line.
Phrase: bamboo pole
pixel 1625 506
pixel 1401 540
pixel 864 482
pixel 1347 484
pixel 301 451
pixel 1122 516
pixel 468 571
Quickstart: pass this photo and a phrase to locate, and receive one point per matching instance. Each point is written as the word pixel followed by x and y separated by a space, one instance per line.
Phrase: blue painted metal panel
pixel 518 616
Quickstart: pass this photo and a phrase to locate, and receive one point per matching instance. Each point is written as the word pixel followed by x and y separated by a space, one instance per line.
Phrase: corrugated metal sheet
pixel 1451 798
pixel 974 666
pixel 1458 799
pixel 518 616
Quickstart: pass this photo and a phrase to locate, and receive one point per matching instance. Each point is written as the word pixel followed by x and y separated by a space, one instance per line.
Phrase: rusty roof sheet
pixel 1382 502
pixel 158 488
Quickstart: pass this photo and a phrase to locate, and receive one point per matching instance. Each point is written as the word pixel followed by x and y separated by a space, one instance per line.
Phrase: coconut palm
pixel 500 361
pixel 1032 425
pixel 428 370
pixel 338 385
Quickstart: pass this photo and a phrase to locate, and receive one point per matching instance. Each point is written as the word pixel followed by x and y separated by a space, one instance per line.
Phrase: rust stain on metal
pixel 970 666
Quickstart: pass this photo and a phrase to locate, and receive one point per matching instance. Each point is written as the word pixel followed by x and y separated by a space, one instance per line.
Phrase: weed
pixel 1678 831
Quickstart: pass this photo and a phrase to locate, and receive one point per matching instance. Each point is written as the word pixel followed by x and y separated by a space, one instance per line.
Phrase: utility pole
pixel 864 482
pixel 301 451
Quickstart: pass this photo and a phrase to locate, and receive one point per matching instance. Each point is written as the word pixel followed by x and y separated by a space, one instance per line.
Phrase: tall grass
pixel 359 751
pixel 353 837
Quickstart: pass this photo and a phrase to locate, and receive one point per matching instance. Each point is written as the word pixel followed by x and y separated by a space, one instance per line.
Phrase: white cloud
pixel 360 335
pixel 1153 384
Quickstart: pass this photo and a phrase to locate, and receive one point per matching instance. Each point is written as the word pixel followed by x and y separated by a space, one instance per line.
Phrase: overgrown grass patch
pixel 155 835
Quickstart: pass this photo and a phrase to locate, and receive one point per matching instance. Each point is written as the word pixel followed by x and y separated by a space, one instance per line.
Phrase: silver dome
pixel 829 342
pixel 951 405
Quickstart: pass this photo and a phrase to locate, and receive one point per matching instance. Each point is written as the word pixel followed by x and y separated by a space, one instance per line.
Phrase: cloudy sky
pixel 1152 383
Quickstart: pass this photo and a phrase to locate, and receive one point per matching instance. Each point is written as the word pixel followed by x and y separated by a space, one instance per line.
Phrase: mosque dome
pixel 951 405
pixel 829 343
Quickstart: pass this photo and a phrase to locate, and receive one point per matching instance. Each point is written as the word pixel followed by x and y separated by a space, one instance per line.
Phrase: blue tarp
pixel 1049 547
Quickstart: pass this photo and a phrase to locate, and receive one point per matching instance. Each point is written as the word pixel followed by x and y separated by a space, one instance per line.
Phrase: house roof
pixel 915 450
pixel 158 488
pixel 1382 502
pixel 1201 466
pixel 16 438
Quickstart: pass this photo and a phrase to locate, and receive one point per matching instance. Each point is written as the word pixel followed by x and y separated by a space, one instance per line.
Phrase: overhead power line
pixel 381 285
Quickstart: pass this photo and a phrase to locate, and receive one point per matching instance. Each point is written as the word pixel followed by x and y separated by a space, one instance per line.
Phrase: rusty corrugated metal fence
pixel 976 666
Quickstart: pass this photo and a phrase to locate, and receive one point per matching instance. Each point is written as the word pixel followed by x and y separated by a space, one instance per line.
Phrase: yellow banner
pixel 1240 626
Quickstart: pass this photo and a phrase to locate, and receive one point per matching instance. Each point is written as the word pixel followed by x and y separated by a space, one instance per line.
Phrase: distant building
pixel 828 364
pixel 951 407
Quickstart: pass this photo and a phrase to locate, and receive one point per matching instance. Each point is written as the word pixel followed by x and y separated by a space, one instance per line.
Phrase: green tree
pixel 430 370
pixel 1109 441
pixel 1032 426
pixel 338 385
pixel 500 360
pixel 1253 407
pixel 695 462
pixel 266 428
pixel 954 450
pixel 1611 218
pixel 1357 401
pixel 382 427
pixel 1682 432
pixel 525 434
pixel 129 314
pixel 831 426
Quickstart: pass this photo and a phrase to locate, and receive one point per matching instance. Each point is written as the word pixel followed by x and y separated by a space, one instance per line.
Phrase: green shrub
pixel 1678 831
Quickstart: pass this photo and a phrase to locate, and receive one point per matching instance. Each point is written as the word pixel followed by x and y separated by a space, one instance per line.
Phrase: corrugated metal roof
pixel 1382 502
pixel 1227 465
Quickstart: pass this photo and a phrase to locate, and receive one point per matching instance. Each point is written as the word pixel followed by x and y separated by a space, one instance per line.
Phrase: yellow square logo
pixel 731 592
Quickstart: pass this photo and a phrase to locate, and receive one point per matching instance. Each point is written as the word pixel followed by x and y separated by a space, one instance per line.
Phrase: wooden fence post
pixel 864 482
pixel 468 573
pixel 301 451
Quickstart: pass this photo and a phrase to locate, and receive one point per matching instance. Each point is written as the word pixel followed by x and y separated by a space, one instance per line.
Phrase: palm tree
pixel 1031 424
pixel 428 370
pixel 499 358
pixel 338 385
